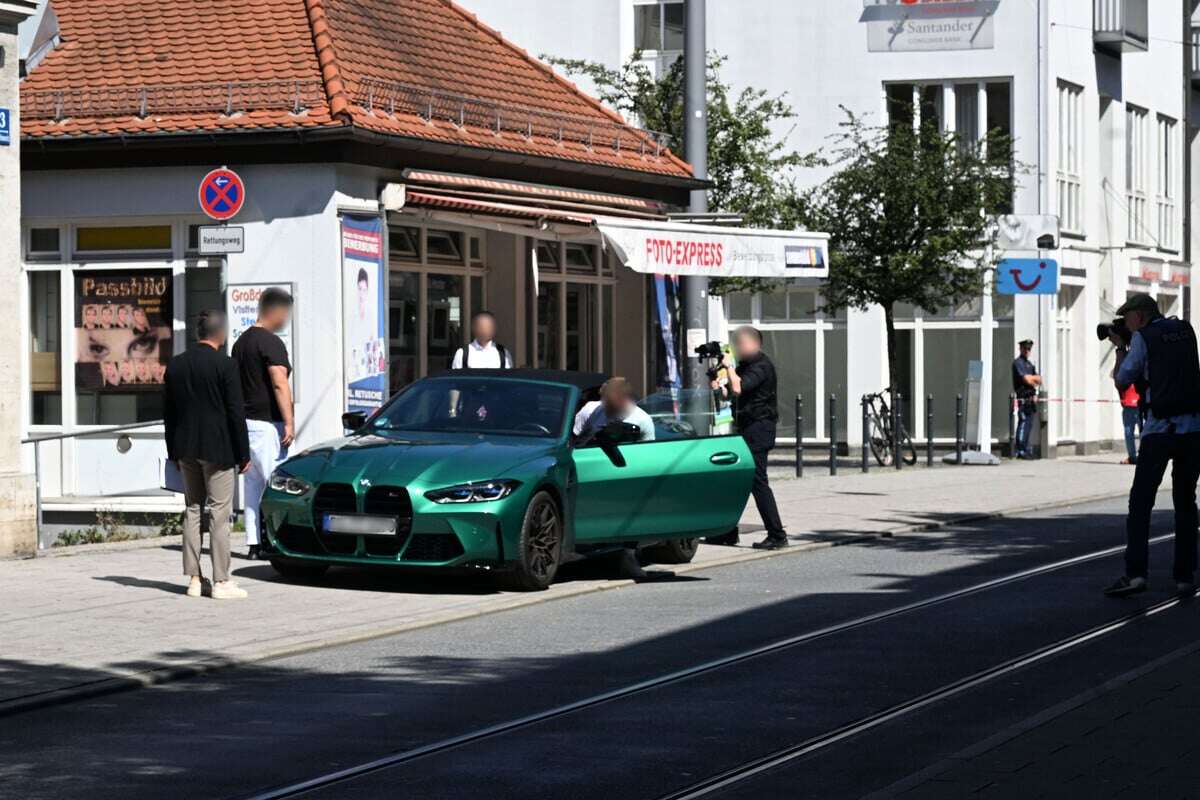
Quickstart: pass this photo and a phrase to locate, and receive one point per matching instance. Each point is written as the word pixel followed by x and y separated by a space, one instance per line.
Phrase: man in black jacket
pixel 753 384
pixel 205 422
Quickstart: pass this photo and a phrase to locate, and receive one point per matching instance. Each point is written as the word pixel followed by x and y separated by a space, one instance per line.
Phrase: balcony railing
pixel 1120 26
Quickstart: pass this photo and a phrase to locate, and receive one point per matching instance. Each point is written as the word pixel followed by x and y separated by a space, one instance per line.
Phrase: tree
pixel 749 165
pixel 910 213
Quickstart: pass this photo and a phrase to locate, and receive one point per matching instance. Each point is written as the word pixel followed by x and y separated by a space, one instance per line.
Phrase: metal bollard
pixel 866 439
pixel 1012 425
pixel 929 431
pixel 833 434
pixel 958 429
pixel 799 436
pixel 897 399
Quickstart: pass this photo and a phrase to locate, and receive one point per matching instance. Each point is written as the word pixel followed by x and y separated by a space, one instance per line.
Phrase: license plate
pixel 360 524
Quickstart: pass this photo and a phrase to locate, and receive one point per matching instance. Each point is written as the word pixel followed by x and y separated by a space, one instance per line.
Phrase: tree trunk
pixel 889 322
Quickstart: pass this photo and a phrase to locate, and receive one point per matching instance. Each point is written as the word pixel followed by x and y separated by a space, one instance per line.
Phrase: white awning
pixel 681 248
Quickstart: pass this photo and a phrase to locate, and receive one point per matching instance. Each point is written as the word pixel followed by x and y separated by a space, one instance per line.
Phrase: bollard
pixel 833 434
pixel 897 399
pixel 1012 425
pixel 799 436
pixel 866 439
pixel 929 431
pixel 958 429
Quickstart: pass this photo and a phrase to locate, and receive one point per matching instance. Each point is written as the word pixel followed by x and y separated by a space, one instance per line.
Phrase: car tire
pixel 539 547
pixel 673 551
pixel 298 570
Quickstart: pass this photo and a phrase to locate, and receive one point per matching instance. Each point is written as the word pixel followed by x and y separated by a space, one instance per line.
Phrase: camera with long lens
pixel 710 354
pixel 1115 328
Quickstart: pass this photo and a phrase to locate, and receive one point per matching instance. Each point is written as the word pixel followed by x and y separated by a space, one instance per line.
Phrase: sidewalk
pixel 91 619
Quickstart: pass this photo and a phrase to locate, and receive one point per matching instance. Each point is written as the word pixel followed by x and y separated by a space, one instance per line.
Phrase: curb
pixel 169 674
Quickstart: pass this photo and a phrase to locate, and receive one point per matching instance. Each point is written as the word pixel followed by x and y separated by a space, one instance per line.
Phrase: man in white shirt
pixel 482 352
pixel 616 404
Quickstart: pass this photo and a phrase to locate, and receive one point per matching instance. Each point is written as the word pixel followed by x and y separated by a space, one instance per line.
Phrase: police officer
pixel 1163 358
pixel 753 384
pixel 1025 385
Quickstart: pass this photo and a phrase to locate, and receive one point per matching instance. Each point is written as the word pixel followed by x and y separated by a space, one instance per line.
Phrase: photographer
pixel 1131 411
pixel 753 384
pixel 1162 357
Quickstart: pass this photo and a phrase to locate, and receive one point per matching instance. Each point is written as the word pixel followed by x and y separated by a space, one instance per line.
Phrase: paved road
pixel 233 733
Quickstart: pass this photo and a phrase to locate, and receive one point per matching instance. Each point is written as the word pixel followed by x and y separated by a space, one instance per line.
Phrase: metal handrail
pixel 56 437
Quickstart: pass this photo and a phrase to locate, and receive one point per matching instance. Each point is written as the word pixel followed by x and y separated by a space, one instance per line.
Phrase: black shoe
pixel 772 543
pixel 728 540
pixel 254 553
pixel 1126 586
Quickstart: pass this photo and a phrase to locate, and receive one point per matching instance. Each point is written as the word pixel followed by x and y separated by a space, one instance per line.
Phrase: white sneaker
pixel 195 587
pixel 228 590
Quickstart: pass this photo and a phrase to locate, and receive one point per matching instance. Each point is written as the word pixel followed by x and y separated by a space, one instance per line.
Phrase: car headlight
pixel 288 484
pixel 479 492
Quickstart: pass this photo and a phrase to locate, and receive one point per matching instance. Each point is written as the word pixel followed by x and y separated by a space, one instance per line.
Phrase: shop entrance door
pixel 569 326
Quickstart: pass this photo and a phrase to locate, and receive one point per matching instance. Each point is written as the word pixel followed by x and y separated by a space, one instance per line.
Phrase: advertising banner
pixel 666 248
pixel 122 329
pixel 364 313
pixel 241 309
pixel 928 25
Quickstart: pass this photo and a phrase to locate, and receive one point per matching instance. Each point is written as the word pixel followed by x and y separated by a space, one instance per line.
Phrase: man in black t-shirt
pixel 264 367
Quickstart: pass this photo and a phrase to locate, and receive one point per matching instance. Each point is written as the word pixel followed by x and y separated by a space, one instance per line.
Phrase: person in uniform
pixel 1026 382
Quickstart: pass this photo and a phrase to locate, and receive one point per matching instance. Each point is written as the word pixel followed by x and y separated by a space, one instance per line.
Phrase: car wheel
pixel 539 549
pixel 673 551
pixel 298 570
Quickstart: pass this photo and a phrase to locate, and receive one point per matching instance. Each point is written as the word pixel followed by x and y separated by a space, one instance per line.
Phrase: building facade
pixel 1098 97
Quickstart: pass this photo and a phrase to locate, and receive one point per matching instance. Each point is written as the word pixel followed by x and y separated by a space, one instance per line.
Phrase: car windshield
pixel 477 406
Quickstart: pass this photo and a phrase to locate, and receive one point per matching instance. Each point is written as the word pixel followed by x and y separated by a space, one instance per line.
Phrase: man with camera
pixel 753 384
pixel 1130 396
pixel 1163 358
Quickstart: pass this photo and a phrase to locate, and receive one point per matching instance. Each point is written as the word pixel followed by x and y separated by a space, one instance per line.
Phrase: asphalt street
pixel 241 732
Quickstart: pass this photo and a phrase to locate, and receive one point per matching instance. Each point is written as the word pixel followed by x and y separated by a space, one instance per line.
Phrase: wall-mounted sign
pixel 219 240
pixel 222 194
pixel 1027 276
pixel 1150 270
pixel 5 127
pixel 924 25
pixel 122 329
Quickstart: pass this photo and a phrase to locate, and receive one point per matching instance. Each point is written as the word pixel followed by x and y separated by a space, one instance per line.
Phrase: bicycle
pixel 880 434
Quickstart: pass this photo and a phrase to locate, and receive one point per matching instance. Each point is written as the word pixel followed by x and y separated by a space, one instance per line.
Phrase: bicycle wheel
pixel 879 439
pixel 907 450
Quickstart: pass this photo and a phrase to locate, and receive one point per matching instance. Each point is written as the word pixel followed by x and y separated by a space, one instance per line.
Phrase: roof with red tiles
pixel 423 69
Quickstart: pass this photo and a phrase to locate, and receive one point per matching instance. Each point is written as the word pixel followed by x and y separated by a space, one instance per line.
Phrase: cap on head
pixel 1026 343
pixel 1139 302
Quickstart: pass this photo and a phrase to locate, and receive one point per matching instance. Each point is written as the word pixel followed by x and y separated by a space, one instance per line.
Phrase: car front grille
pixel 298 540
pixel 333 498
pixel 433 547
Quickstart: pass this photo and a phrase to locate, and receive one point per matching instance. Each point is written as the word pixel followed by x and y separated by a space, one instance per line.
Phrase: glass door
pixel 581 326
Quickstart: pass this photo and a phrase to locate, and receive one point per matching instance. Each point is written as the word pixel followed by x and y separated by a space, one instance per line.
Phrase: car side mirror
pixel 353 420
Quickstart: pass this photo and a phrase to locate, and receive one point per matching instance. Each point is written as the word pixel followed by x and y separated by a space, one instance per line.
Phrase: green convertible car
pixel 478 469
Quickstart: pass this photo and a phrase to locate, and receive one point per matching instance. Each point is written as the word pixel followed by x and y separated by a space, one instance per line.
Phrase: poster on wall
pixel 122 329
pixel 364 313
pixel 241 309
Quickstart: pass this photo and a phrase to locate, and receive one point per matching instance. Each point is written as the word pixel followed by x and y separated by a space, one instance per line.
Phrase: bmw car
pixel 478 469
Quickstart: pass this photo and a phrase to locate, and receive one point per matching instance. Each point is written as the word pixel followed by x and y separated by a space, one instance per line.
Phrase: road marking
pixel 402 757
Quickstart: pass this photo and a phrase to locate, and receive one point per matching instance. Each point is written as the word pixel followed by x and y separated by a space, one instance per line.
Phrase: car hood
pixel 428 462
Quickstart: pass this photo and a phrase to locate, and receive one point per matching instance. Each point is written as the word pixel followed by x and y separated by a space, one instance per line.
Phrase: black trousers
pixel 760 438
pixel 1183 451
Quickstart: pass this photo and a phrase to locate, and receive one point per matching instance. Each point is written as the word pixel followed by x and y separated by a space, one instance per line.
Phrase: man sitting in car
pixel 616 404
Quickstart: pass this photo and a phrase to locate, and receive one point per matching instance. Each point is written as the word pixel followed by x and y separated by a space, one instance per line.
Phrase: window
pixel 444 246
pixel 203 293
pixel 443 320
pixel 1165 184
pixel 1135 173
pixel 580 258
pixel 45 358
pixel 404 243
pixel 44 243
pixel 658 25
pixel 123 239
pixel 1070 156
pixel 547 257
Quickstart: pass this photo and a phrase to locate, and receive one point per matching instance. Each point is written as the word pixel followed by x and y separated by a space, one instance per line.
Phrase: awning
pixel 681 248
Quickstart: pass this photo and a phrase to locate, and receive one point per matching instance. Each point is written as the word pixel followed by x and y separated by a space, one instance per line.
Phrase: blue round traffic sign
pixel 222 194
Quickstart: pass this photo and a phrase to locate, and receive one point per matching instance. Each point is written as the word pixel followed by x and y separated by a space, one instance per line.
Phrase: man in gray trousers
pixel 206 437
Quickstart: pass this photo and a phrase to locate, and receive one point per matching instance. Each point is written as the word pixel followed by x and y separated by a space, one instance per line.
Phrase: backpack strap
pixel 466 351
pixel 503 356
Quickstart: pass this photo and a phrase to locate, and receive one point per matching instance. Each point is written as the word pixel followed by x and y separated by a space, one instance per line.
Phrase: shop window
pixel 606 327
pixel 444 246
pixel 1002 306
pixel 795 356
pixel 123 340
pixel 581 326
pixel 580 259
pixel 124 239
pixel 739 306
pixel 476 249
pixel 947 353
pixel 793 305
pixel 404 243
pixel 44 243
pixel 658 25
pixel 1003 353
pixel 837 368
pixel 477 298
pixel 548 317
pixel 203 293
pixel 45 358
pixel 443 320
pixel 773 306
pixel 547 256
pixel 404 298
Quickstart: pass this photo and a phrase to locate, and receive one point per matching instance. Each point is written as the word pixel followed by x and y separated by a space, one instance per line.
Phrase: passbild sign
pixel 675 248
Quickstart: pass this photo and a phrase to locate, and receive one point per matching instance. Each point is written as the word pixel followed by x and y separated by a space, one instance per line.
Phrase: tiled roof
pixel 422 69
